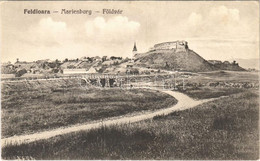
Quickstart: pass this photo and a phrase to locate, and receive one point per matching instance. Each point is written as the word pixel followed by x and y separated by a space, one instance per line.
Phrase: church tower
pixel 134 50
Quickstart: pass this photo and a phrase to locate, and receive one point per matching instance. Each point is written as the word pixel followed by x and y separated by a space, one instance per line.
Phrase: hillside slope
pixel 172 60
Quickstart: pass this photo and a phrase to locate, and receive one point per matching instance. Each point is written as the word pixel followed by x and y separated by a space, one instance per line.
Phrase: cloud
pixel 224 15
pixel 47 24
pixel 48 32
pixel 195 19
pixel 116 29
pixel 49 38
pixel 218 22
pixel 220 33
pixel 112 36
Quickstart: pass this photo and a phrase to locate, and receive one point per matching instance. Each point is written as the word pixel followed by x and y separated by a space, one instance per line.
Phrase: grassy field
pixel 207 92
pixel 226 128
pixel 202 89
pixel 235 76
pixel 28 110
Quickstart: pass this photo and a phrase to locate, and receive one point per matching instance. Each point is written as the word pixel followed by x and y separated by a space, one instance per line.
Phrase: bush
pixel 21 72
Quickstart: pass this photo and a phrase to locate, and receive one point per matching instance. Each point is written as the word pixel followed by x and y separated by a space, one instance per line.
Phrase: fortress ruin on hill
pixel 176 45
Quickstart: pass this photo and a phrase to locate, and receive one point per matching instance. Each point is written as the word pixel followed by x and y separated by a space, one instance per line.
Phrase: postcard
pixel 129 80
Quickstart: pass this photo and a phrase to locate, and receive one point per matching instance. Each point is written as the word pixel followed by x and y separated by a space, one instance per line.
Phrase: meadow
pixel 225 128
pixel 208 92
pixel 233 76
pixel 198 87
pixel 37 106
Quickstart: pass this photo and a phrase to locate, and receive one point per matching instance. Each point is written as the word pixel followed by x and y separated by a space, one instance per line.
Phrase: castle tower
pixel 182 46
pixel 134 50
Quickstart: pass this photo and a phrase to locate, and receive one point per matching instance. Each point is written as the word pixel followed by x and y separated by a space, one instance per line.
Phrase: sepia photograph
pixel 129 80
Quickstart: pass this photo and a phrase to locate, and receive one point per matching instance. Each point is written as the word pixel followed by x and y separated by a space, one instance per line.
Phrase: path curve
pixel 184 102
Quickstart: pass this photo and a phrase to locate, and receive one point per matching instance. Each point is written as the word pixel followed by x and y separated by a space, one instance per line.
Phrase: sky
pixel 214 29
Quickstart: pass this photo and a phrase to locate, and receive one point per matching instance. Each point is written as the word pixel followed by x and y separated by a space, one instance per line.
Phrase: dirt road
pixel 184 102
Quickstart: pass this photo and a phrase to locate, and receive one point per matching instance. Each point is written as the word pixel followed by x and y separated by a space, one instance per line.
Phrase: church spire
pixel 134 49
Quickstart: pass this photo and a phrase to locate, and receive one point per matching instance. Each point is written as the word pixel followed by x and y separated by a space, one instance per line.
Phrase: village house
pixel 215 61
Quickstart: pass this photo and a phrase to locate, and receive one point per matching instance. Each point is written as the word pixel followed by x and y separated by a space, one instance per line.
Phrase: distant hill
pixel 248 63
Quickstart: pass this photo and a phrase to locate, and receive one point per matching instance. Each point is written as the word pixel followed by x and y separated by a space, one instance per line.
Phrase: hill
pixel 177 56
pixel 171 60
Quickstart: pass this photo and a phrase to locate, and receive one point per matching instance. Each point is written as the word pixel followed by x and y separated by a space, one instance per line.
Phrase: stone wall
pixel 166 45
pixel 177 45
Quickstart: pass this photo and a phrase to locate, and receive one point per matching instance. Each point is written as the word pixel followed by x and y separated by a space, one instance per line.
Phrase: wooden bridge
pixel 164 80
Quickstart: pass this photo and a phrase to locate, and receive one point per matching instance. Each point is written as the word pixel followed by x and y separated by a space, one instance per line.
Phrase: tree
pixel 43 65
pixel 133 71
pixel 55 70
pixel 7 70
pixel 116 63
pixel 21 72
pixel 104 58
pixel 166 65
pixel 235 63
pixel 57 61
pixel 90 59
